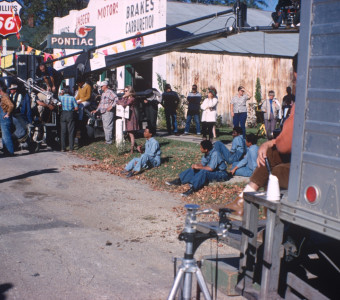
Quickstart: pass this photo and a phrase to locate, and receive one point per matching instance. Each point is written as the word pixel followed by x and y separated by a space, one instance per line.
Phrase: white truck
pixel 300 255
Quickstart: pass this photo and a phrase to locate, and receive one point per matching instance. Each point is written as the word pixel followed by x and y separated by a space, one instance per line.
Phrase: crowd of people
pixel 243 157
pixel 203 111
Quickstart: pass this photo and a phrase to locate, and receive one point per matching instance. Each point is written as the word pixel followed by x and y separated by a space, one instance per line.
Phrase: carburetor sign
pixel 10 22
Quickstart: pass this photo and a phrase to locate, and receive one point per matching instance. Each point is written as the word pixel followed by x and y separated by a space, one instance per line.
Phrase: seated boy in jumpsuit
pixel 246 166
pixel 149 159
pixel 238 147
pixel 211 168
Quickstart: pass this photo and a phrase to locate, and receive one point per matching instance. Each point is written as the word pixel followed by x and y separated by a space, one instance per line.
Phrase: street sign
pixel 10 22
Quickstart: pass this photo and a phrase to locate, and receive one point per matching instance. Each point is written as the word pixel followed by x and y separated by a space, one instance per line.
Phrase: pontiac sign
pixel 10 22
pixel 83 38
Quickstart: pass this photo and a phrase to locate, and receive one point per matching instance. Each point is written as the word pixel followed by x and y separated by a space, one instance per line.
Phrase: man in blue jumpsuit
pixel 211 168
pixel 238 147
pixel 149 159
pixel 246 166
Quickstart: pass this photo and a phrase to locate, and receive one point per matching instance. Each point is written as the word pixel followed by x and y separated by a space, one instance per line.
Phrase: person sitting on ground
pixel 149 159
pixel 247 165
pixel 238 147
pixel 211 168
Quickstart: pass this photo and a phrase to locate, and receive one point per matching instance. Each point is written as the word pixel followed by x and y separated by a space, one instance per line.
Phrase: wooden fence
pixel 227 72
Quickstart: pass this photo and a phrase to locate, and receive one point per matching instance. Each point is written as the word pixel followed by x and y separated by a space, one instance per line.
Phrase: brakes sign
pixel 10 22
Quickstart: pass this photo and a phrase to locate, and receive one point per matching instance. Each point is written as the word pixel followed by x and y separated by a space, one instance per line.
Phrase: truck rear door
pixel 314 185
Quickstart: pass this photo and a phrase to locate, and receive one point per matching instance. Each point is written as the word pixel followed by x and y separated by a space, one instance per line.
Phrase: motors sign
pixel 10 22
pixel 83 38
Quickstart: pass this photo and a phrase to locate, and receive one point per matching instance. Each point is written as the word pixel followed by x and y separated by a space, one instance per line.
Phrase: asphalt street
pixel 72 233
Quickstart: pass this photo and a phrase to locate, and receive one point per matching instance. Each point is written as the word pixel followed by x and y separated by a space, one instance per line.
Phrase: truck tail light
pixel 312 194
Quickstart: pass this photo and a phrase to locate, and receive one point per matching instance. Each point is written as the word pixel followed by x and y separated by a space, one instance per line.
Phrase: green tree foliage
pixel 43 12
pixel 161 82
pixel 258 96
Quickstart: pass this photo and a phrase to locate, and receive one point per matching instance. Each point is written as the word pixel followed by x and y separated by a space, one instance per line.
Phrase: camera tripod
pixel 193 239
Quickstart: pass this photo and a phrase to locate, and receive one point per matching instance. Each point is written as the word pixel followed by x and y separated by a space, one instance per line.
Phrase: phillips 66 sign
pixel 10 22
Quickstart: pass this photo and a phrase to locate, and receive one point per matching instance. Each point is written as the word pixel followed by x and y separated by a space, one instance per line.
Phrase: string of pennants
pixel 49 56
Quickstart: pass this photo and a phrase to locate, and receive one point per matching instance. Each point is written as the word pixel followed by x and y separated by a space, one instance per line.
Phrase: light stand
pixel 193 239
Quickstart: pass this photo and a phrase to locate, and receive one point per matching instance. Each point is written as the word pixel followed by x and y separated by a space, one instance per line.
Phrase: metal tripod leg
pixel 176 284
pixel 187 285
pixel 187 269
pixel 203 285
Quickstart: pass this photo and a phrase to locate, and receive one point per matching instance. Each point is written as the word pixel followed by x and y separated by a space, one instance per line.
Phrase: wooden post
pixel 119 131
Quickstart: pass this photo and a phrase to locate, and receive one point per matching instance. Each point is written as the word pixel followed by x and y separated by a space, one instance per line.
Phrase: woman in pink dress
pixel 131 124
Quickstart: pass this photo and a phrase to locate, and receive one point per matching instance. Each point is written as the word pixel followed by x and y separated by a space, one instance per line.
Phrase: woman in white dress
pixel 209 115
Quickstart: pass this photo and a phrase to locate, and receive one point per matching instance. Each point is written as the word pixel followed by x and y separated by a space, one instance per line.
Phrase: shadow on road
pixel 30 174
pixel 3 289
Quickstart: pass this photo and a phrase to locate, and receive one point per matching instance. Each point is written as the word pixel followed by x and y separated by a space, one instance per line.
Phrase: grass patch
pixel 177 156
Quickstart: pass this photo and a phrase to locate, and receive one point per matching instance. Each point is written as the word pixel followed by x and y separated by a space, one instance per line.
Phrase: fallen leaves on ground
pixel 176 157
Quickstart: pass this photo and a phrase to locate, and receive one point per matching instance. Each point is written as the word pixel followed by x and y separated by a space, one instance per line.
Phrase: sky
pixel 271 5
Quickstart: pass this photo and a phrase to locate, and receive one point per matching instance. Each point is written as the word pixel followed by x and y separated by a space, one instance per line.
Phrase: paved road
pixel 68 233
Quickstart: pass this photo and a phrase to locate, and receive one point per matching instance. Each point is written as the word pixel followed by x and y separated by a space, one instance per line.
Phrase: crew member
pixel 170 101
pixel 67 120
pixel 105 107
pixel 6 109
pixel 17 118
pixel 83 96
pixel 52 78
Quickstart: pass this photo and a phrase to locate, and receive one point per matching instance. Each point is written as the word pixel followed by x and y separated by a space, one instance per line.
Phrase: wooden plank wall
pixel 227 72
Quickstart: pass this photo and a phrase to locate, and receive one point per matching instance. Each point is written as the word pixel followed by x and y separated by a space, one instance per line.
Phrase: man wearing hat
pixel 105 108
pixel 15 97
pixel 22 103
pixel 17 117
